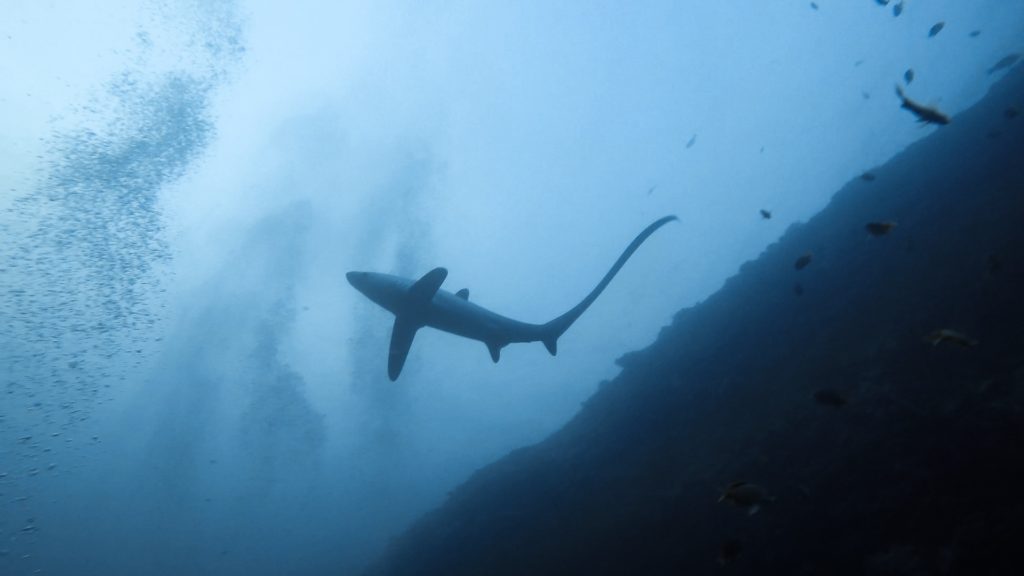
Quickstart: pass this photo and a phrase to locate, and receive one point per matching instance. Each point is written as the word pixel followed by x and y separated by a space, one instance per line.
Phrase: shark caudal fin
pixel 555 328
pixel 409 319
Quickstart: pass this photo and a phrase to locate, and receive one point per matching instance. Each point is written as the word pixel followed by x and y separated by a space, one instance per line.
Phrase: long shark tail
pixel 555 328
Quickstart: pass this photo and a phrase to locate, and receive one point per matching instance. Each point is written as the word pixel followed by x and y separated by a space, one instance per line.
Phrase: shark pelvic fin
pixel 551 343
pixel 495 350
pixel 464 293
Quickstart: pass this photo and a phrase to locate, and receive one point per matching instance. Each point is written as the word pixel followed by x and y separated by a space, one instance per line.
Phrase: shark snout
pixel 366 282
pixel 356 279
pixel 380 288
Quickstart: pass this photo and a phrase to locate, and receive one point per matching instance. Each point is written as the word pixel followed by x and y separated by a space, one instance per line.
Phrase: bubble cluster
pixel 84 262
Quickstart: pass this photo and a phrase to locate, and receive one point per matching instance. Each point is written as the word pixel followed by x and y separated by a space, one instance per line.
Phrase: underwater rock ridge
pixel 869 423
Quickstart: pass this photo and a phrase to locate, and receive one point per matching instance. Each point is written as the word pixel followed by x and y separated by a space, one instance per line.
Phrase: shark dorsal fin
pixel 425 288
pixel 464 293
pixel 401 340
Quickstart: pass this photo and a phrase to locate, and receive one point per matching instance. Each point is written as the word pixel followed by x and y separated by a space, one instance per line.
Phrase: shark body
pixel 419 303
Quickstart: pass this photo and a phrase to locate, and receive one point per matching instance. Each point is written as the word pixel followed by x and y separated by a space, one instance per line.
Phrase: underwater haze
pixel 189 384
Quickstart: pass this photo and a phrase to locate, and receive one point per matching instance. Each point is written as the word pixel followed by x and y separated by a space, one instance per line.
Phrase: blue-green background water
pixel 190 385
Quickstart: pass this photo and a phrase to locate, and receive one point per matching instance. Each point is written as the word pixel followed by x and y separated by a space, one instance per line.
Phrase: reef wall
pixel 877 451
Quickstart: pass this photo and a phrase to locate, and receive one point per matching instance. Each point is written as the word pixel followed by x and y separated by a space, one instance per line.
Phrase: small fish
pixel 829 397
pixel 693 140
pixel 730 549
pixel 798 289
pixel 975 33
pixel 651 189
pixel 1004 63
pixel 882 2
pixel 814 6
pixel 937 337
pixel 867 177
pixel 924 113
pixel 857 63
pixel 879 228
pixel 897 9
pixel 908 76
pixel 802 261
pixel 865 95
pixel 936 29
pixel 766 214
pixel 1011 112
pixel 745 495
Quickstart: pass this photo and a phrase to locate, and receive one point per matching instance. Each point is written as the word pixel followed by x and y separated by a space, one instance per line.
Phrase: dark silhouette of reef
pixel 885 453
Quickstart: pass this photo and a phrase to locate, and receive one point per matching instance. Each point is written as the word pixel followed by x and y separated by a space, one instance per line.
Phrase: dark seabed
pixel 877 411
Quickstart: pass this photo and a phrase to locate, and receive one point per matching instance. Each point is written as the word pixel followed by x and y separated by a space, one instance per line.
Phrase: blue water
pixel 190 386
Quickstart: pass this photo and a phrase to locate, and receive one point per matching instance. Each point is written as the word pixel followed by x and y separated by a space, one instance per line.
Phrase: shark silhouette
pixel 420 303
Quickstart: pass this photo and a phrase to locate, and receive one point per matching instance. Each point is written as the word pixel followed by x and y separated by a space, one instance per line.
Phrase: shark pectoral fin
pixel 401 340
pixel 495 350
pixel 425 288
pixel 464 293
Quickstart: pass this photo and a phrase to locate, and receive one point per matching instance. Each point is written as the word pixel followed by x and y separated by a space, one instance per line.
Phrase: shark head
pixel 386 290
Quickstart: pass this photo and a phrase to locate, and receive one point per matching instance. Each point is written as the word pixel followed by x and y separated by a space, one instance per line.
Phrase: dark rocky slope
pixel 919 473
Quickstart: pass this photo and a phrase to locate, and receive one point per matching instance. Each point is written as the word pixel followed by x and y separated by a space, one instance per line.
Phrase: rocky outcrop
pixel 881 451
